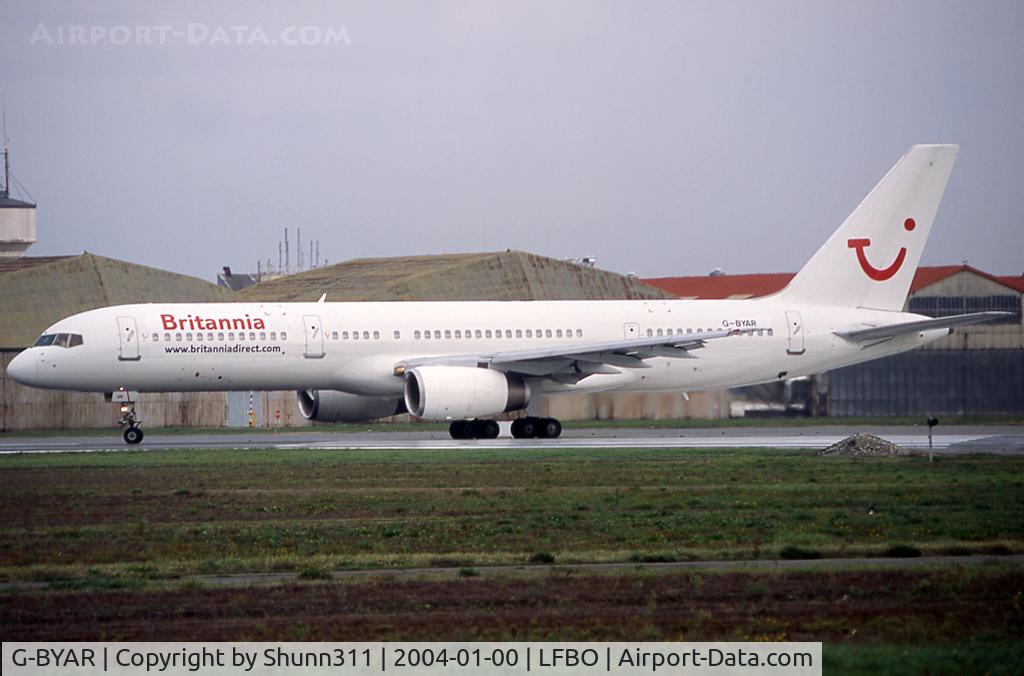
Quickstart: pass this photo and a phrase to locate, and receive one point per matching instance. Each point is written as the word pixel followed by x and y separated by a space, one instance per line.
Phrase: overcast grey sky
pixel 664 138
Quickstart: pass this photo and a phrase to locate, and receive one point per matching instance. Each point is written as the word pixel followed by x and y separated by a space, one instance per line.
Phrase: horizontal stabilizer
pixel 864 332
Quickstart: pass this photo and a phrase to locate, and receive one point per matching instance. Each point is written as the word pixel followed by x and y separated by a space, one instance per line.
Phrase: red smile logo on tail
pixel 880 274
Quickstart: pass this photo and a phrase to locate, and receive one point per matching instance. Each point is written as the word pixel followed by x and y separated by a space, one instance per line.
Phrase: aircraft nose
pixel 22 368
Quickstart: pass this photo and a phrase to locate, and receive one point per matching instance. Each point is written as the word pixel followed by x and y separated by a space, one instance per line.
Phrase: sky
pixel 663 138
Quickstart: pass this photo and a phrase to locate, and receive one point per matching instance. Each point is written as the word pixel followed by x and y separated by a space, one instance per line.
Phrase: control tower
pixel 17 219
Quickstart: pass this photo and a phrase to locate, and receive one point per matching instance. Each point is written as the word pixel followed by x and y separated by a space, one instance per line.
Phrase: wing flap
pixel 629 353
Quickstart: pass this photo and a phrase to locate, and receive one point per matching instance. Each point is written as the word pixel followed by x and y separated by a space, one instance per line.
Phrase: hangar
pixel 978 370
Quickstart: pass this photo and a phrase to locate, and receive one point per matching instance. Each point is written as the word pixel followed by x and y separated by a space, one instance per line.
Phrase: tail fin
pixel 871 259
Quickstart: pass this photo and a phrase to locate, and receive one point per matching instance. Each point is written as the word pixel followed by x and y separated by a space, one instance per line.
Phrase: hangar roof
pixel 37 291
pixel 507 275
pixel 763 284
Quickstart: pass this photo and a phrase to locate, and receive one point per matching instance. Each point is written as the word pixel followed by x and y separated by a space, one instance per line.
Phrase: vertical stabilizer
pixel 871 259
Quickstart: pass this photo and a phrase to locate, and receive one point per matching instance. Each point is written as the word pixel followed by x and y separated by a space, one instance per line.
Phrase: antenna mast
pixel 6 192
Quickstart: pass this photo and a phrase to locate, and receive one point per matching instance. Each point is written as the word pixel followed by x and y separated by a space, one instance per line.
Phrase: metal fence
pixel 931 382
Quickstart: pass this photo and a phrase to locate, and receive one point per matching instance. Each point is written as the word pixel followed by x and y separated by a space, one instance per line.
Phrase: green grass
pixel 993 658
pixel 212 510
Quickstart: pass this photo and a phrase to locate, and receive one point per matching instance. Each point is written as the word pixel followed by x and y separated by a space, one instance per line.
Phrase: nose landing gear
pixel 129 419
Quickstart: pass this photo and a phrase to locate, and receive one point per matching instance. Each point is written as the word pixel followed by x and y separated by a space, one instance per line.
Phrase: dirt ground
pixel 951 605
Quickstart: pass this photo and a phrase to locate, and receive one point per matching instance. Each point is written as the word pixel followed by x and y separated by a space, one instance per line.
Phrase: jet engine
pixel 334 406
pixel 462 392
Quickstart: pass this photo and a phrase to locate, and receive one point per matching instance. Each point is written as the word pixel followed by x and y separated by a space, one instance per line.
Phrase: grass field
pixel 114 534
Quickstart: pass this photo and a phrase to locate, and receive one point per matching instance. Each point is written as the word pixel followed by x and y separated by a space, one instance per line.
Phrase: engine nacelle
pixel 462 392
pixel 334 406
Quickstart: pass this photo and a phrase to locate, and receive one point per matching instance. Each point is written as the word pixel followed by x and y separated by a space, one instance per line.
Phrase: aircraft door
pixel 128 337
pixel 314 337
pixel 631 330
pixel 796 333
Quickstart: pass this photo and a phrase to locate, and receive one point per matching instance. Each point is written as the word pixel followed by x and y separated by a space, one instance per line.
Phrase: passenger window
pixel 366 335
pixel 284 335
pixel 479 334
pixel 447 333
pixel 156 337
pixel 273 335
pixel 252 335
pixel 334 335
pixel 76 340
pixel 355 335
pixel 458 333
pixel 529 333
pixel 241 335
pixel 519 333
pixel 771 332
pixel 231 336
pixel 167 337
pixel 263 335
pixel 650 332
pixel 398 335
pixel 437 334
pixel 344 335
pixel 188 337
pixel 487 333
pixel 467 333
pixel 199 336
pixel 416 334
pixel 558 333
pixel 547 333
pixel 376 335
pixel 209 336
pixel 508 333
pixel 177 337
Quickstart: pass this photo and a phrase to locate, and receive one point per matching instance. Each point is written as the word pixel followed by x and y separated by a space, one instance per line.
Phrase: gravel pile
pixel 864 444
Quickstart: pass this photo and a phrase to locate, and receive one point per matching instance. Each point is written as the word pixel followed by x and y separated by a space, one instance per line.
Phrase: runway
pixel 1001 439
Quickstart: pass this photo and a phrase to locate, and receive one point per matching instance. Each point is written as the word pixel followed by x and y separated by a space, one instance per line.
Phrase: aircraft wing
pixel 580 359
pixel 865 332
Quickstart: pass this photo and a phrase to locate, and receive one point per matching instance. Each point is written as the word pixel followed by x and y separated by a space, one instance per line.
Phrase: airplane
pixel 467 362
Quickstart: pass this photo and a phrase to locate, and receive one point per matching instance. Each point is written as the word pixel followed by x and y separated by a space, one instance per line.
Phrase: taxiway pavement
pixel 1002 439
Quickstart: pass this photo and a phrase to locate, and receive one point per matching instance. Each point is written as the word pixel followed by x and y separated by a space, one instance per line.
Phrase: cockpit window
pixel 59 340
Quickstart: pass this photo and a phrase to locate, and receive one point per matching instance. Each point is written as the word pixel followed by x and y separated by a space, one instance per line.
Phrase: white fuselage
pixel 355 347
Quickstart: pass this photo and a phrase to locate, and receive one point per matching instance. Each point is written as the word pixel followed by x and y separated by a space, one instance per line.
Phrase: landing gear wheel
pixel 133 435
pixel 460 429
pixel 487 429
pixel 549 428
pixel 524 428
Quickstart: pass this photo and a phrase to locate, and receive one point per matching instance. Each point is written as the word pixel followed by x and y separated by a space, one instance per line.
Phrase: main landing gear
pixel 522 428
pixel 534 428
pixel 474 429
